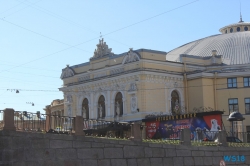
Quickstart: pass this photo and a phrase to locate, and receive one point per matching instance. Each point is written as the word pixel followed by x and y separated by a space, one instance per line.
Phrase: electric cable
pixel 194 86
pixel 19 9
pixel 103 35
pixel 71 46
pixel 30 67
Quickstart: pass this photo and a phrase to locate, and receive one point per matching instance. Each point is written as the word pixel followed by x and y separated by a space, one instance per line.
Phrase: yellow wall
pixel 200 91
pixel 153 56
pixel 155 97
pixel 195 93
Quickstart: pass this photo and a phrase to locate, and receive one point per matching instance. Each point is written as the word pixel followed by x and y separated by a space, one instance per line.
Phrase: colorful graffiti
pixel 201 127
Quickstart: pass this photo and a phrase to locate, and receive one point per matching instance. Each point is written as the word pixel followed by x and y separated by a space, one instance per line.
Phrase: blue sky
pixel 39 37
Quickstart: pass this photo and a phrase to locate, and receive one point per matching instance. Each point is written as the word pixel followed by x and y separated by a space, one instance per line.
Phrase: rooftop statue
pixel 102 49
pixel 67 72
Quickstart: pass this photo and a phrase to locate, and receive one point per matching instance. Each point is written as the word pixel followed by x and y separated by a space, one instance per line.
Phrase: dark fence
pixel 37 122
pixel 110 129
pixel 1 119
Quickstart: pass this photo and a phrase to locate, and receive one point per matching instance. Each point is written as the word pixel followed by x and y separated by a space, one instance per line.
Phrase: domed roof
pixel 234 47
pixel 235 116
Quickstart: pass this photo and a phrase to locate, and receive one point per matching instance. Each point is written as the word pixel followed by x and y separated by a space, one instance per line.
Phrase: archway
pixel 175 102
pixel 118 104
pixel 85 108
pixel 101 107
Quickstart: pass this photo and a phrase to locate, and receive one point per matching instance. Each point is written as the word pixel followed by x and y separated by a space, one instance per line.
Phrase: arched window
pixel 101 107
pixel 175 105
pixel 118 104
pixel 85 108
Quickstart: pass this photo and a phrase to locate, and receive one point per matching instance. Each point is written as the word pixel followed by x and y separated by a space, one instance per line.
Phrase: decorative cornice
pixel 102 74
pixel 116 71
pixel 83 78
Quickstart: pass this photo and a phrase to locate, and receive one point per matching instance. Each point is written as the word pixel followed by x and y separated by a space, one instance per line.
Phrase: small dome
pixel 235 116
pixel 238 27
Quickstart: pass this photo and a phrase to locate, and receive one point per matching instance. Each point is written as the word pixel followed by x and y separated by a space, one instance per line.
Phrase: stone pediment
pixel 101 50
pixel 67 72
pixel 131 57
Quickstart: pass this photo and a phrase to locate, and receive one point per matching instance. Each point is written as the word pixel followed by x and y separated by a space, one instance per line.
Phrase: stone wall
pixel 28 149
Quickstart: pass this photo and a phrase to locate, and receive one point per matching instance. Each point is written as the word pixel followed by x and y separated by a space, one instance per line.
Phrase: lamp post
pixel 235 118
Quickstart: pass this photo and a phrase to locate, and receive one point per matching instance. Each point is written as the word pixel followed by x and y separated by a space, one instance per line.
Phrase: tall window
pixel 233 105
pixel 232 82
pixel 118 104
pixel 85 108
pixel 175 106
pixel 101 107
pixel 246 81
pixel 247 105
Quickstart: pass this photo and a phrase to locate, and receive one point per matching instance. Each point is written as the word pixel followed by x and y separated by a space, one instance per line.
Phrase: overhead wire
pixel 30 67
pixel 33 74
pixel 40 84
pixel 102 35
pixel 194 86
pixel 11 8
pixel 19 9
pixel 70 21
pixel 71 46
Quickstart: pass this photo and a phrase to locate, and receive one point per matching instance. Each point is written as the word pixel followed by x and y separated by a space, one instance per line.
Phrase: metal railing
pixel 1 119
pixel 108 129
pixel 47 123
pixel 37 122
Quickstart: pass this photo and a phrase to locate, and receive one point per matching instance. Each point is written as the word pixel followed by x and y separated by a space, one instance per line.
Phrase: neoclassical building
pixel 123 87
pixel 207 74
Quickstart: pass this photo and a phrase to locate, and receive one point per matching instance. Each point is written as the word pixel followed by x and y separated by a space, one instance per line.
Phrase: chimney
pixel 214 52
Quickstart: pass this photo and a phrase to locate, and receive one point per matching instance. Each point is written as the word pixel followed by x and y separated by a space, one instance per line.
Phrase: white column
pixel 107 103
pixel 125 111
pixel 78 107
pixel 91 108
pixel 112 107
pixel 168 100
pixel 89 105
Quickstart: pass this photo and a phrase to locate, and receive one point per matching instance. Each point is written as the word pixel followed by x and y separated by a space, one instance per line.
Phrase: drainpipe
pixel 186 91
pixel 215 93
pixel 186 87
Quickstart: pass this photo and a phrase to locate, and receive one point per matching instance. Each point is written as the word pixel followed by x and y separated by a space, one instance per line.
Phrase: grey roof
pixel 234 48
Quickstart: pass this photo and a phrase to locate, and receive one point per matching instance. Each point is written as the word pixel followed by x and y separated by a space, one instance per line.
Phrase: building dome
pixel 233 44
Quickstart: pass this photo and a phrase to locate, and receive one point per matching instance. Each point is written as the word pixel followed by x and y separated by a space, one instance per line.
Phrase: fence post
pixel 79 126
pixel 222 138
pixel 185 137
pixel 136 132
pixel 8 119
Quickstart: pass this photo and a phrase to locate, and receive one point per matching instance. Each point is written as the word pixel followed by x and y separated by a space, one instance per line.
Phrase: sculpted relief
pixel 132 87
pixel 69 99
pixel 67 72
pixel 102 49
pixel 131 57
pixel 133 103
pixel 117 109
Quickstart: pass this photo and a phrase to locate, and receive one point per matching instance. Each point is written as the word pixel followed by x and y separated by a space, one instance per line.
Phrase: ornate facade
pixel 209 73
pixel 123 87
